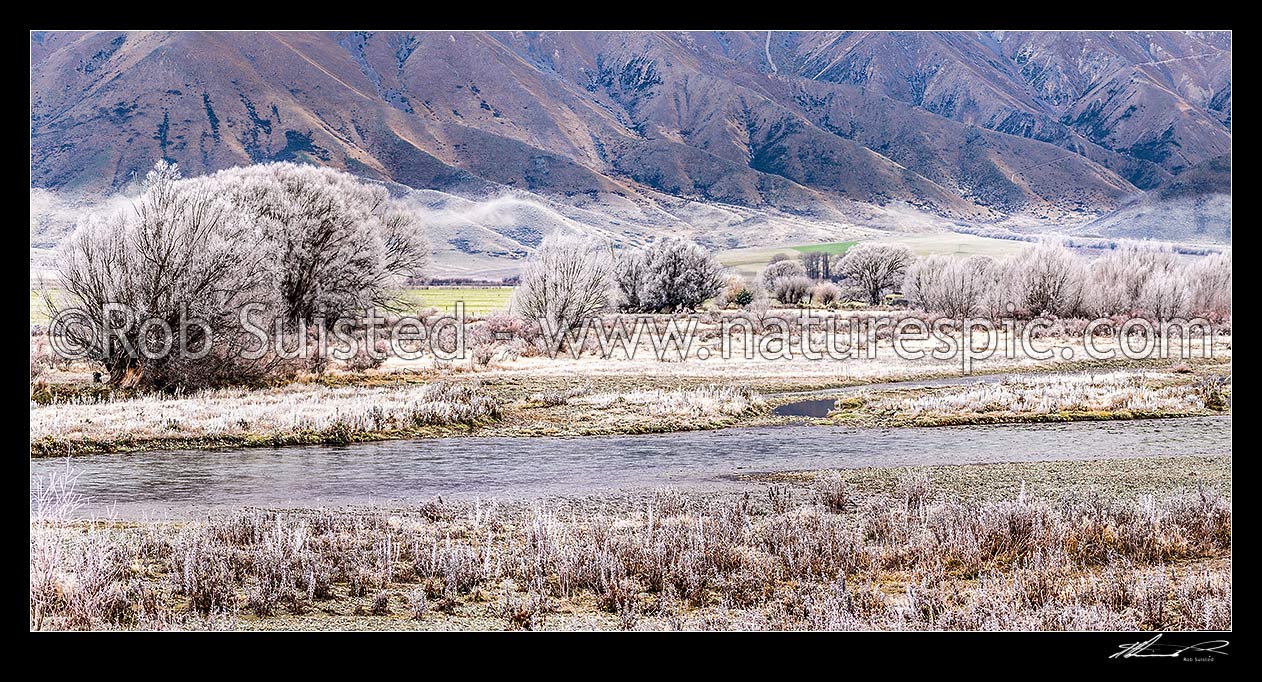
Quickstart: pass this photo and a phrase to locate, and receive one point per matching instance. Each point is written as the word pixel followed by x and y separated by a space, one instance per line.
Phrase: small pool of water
pixel 818 407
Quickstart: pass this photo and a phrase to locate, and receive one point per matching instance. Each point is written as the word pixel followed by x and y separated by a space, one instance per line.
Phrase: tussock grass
pixel 335 413
pixel 705 401
pixel 1137 392
pixel 914 557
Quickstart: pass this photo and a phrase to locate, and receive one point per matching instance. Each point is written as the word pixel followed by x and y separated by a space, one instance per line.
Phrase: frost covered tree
pixel 955 287
pixel 566 280
pixel 1165 296
pixel 875 269
pixel 1116 280
pixel 825 294
pixel 922 284
pixel 1048 279
pixel 628 277
pixel 792 289
pixel 679 275
pixel 1209 286
pixel 339 245
pixel 300 241
pixel 999 295
pixel 180 252
pixel 669 276
pixel 1108 290
pixel 965 284
pixel 778 269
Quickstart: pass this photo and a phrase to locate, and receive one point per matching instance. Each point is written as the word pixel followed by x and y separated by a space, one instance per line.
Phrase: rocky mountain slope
pixel 1024 129
pixel 1195 207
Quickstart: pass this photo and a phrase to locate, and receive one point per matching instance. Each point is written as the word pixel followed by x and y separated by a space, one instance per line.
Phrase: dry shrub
pixel 833 493
pixel 1078 562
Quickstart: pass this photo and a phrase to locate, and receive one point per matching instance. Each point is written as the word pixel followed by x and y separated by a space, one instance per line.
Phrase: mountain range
pixel 1108 133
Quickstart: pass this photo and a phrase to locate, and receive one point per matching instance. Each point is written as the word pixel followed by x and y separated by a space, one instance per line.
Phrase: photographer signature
pixel 1153 649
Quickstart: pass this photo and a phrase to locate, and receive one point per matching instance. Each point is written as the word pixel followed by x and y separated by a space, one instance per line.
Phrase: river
pixel 182 483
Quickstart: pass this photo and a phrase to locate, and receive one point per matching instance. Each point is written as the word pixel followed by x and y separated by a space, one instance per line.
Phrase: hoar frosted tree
pixel 1049 279
pixel 566 280
pixel 874 269
pixel 778 270
pixel 1132 279
pixel 302 242
pixel 956 287
pixel 669 276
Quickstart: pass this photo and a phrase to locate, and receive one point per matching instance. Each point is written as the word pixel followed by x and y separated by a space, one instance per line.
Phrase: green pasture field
pixel 477 300
pixel 749 261
pixel 832 248
pixel 39 308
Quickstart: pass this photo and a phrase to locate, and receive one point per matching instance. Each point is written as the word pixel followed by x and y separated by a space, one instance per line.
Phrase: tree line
pixel 306 245
pixel 570 277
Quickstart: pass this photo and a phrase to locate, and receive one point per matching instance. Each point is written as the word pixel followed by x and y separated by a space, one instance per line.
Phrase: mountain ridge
pixel 1015 129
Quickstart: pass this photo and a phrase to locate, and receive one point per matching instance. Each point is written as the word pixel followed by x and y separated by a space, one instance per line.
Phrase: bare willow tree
pixel 955 287
pixel 670 275
pixel 1049 279
pixel 825 294
pixel 628 273
pixel 299 242
pixel 1209 284
pixel 340 245
pixel 1166 296
pixel 181 253
pixel 793 289
pixel 817 264
pixel 1109 288
pixel 966 285
pixel 1152 280
pixel 922 284
pixel 566 280
pixel 1116 280
pixel 875 269
pixel 778 269
pixel 1134 279
pixel 999 298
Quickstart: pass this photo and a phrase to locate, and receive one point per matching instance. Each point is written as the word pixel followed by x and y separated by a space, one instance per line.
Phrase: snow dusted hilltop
pixel 876 128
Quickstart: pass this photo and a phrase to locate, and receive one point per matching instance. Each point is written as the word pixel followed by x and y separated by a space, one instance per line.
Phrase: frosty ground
pixel 515 394
pixel 1119 544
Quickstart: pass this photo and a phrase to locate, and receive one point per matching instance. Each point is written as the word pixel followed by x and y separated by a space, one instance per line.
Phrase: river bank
pixel 1106 544
pixel 539 402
